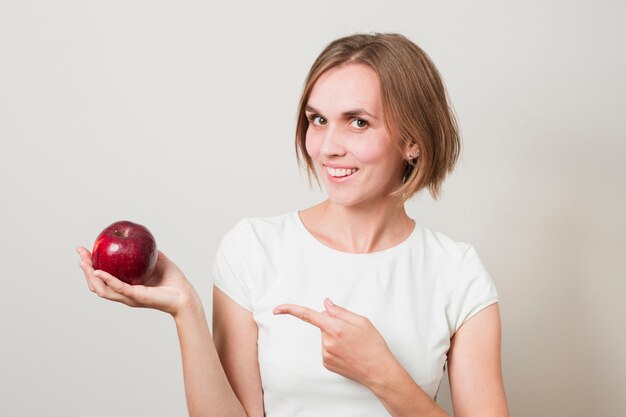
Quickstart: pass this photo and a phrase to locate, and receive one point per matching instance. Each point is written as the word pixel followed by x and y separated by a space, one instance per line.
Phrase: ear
pixel 411 148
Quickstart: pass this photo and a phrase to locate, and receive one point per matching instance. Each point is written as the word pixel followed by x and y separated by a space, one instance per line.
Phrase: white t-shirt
pixel 416 294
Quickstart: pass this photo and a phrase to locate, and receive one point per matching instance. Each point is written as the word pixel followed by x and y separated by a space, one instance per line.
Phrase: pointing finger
pixel 306 314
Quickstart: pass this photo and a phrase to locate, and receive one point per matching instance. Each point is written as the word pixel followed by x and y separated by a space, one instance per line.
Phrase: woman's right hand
pixel 166 289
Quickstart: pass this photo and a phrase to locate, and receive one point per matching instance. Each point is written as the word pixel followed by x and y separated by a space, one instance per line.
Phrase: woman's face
pixel 347 138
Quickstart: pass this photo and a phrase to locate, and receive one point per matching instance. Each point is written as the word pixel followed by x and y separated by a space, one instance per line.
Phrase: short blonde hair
pixel 415 105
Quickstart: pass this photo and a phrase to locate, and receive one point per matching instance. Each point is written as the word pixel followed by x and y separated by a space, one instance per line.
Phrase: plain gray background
pixel 180 116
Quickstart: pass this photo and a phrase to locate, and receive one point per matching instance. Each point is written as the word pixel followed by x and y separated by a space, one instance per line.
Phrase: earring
pixel 411 156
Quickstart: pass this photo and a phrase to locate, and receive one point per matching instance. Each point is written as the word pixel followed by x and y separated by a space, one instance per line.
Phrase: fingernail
pixel 329 302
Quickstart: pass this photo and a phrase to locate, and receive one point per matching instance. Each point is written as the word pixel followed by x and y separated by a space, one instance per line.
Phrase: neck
pixel 360 229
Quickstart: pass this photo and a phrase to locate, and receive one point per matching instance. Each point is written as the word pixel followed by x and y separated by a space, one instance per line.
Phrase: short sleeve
pixel 230 272
pixel 474 289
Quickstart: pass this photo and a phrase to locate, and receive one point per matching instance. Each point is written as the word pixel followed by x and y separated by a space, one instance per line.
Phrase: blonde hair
pixel 414 100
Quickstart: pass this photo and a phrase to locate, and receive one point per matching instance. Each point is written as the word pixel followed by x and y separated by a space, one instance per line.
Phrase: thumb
pixel 340 312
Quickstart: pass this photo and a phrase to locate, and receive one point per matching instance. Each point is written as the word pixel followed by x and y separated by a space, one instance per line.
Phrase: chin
pixel 345 200
pixel 340 200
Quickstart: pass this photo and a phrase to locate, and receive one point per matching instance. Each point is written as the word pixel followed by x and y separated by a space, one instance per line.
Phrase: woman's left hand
pixel 351 345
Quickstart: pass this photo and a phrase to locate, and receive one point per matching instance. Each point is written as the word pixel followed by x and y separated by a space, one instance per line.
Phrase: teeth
pixel 341 172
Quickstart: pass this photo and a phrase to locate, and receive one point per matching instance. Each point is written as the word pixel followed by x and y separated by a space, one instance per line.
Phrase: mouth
pixel 340 174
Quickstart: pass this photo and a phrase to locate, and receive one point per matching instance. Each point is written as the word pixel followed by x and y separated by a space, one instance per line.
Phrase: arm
pixel 401 395
pixel 235 334
pixel 474 370
pixel 207 389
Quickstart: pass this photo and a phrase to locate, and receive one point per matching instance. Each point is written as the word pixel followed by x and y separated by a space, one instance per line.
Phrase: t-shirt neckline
pixel 327 248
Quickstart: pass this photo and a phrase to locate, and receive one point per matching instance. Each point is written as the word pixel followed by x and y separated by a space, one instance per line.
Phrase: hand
pixel 351 345
pixel 166 289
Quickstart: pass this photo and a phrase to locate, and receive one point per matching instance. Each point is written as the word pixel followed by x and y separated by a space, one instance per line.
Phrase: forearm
pixel 402 397
pixel 207 389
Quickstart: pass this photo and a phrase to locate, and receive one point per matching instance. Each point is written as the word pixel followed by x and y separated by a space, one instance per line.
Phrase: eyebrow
pixel 349 113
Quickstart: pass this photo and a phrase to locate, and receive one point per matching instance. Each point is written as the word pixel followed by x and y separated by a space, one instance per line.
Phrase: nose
pixel 332 142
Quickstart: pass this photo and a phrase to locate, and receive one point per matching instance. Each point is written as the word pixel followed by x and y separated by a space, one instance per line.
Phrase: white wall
pixel 180 116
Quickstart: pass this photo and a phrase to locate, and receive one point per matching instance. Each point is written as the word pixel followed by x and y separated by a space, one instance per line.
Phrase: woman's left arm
pixel 352 347
pixel 475 366
pixel 474 370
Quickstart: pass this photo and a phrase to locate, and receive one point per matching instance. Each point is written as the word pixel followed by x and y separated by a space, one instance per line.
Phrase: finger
pixel 85 255
pixel 88 273
pixel 162 268
pixel 161 263
pixel 87 267
pixel 98 286
pixel 104 291
pixel 165 267
pixel 306 314
pixel 116 290
pixel 343 313
pixel 116 284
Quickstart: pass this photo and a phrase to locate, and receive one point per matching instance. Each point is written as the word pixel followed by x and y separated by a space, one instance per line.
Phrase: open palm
pixel 166 289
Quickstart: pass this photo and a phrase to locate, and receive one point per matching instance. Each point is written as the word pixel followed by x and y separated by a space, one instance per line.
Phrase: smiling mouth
pixel 341 172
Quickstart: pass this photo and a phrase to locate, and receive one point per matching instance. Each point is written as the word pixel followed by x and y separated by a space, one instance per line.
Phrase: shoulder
pixel 248 230
pixel 441 247
pixel 456 268
pixel 454 264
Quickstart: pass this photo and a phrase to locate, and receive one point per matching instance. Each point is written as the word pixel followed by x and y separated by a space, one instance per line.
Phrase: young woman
pixel 349 307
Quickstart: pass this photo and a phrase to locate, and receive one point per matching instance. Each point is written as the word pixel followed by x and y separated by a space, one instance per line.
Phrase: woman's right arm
pixel 208 391
pixel 207 388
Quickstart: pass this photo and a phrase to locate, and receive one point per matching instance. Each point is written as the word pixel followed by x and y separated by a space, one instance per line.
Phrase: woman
pixel 374 122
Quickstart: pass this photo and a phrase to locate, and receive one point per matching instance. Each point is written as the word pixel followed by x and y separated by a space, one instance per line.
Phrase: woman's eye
pixel 316 119
pixel 359 123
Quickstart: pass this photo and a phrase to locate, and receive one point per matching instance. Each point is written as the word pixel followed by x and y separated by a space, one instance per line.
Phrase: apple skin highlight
pixel 126 250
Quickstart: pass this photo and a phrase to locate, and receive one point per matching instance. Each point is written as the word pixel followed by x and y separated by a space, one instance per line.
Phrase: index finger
pixel 317 319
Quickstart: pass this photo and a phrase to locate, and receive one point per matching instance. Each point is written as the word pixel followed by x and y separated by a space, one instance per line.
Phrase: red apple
pixel 127 251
